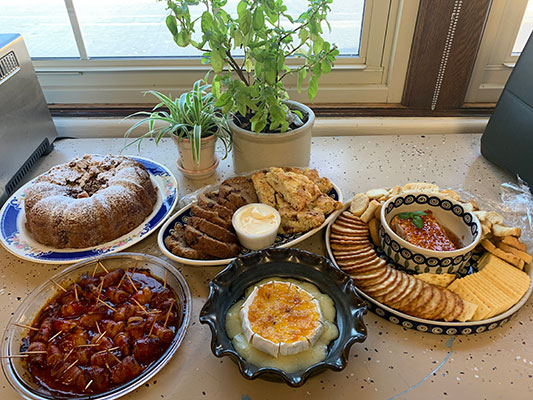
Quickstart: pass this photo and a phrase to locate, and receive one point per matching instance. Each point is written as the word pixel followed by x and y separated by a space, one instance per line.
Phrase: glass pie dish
pixel 229 286
pixel 15 369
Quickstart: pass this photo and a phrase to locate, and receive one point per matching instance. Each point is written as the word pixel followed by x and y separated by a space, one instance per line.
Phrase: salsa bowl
pixel 451 214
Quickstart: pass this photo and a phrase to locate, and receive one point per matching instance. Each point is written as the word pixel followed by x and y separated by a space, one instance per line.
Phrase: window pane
pixel 44 25
pixel 525 29
pixel 136 28
pixel 125 28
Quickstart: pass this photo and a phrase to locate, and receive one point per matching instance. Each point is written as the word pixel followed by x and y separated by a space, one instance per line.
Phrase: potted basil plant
pixel 249 51
pixel 194 122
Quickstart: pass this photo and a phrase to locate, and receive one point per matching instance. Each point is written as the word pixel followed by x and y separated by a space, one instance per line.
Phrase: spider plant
pixel 192 116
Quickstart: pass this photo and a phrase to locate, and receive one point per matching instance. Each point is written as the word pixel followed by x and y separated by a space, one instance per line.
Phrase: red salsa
pixel 432 235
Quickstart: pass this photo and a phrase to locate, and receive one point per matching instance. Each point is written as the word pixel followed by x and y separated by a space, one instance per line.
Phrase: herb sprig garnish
pixel 414 217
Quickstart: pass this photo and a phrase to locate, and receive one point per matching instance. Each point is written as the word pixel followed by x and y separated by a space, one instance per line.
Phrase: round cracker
pixel 347 247
pixel 359 204
pixel 403 284
pixel 349 224
pixel 362 266
pixel 358 261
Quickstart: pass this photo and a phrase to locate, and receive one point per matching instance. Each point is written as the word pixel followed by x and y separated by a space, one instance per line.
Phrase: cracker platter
pixel 462 294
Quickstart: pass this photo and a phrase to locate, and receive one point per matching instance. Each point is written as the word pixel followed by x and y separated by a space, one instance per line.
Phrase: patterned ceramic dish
pixel 15 369
pixel 229 285
pixel 18 241
pixel 426 325
pixel 449 213
pixel 282 241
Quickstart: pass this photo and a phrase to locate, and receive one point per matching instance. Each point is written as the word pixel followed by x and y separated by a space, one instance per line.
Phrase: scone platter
pixel 202 232
pixel 421 293
pixel 89 206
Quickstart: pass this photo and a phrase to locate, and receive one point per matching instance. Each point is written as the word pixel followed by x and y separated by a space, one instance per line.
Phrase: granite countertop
pixel 394 362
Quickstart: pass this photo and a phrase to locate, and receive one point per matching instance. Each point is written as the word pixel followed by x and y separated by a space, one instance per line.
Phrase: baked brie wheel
pixel 280 318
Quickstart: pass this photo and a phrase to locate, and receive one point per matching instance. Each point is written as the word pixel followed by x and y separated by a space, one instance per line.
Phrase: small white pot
pixel 207 154
pixel 253 151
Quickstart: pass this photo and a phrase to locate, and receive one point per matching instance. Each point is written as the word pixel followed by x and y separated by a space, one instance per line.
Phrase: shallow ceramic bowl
pixel 229 285
pixel 15 369
pixel 449 213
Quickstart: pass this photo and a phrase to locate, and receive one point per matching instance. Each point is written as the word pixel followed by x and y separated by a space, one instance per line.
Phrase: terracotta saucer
pixel 198 174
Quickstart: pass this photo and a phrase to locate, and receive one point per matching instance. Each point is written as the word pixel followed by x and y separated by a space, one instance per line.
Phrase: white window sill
pixel 115 127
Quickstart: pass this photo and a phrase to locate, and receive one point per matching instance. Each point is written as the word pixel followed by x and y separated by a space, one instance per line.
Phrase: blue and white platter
pixel 427 325
pixel 18 241
pixel 184 214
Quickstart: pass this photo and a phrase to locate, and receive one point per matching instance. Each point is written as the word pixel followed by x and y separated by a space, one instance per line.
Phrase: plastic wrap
pixel 515 205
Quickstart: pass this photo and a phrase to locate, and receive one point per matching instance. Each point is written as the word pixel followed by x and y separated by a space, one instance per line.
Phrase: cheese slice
pixel 281 318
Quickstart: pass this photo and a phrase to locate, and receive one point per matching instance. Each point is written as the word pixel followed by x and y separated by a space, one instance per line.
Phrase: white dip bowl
pixel 256 225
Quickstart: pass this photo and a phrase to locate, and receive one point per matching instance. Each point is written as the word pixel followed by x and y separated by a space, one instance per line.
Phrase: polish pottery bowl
pixel 450 214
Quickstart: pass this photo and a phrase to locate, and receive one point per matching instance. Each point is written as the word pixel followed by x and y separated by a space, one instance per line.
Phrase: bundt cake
pixel 89 201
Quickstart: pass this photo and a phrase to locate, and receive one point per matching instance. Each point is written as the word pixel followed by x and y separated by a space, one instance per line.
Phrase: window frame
pixel 377 75
pixel 495 60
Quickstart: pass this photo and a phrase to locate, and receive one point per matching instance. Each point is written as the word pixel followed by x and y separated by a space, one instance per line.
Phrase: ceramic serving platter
pixel 18 241
pixel 426 325
pixel 281 240
pixel 229 286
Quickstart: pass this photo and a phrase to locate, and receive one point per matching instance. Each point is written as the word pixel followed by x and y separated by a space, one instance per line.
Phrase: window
pixel 103 51
pixel 508 27
pixel 525 29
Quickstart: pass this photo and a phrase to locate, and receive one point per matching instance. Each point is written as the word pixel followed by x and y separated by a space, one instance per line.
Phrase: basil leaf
pixel 405 215
pixel 419 213
pixel 417 221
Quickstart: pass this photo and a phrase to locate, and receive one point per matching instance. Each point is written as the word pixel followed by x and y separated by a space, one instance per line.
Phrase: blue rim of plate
pixel 15 240
pixel 431 326
pixel 282 241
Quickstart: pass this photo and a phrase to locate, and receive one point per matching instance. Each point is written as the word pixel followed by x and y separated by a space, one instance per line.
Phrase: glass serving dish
pixel 15 369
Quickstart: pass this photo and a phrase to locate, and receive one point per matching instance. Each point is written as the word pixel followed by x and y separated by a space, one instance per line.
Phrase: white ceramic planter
pixel 207 154
pixel 252 151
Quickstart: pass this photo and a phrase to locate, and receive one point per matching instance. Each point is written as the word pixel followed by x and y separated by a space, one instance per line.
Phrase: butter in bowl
pixel 256 225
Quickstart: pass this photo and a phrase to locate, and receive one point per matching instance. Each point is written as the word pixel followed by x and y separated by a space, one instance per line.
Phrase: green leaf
pixel 419 213
pixel 258 19
pixel 249 65
pixel 313 87
pixel 317 70
pixel 303 35
pixel 245 21
pixel 417 221
pixel 207 21
pixel 196 143
pixel 237 39
pixel 325 67
pixel 241 8
pixel 298 113
pixel 171 25
pixel 183 38
pixel 301 76
pixel 217 61
pixel 270 75
pixel 317 45
pixel 405 215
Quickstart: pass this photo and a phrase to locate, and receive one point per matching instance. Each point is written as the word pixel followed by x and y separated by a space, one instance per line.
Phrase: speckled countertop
pixel 393 362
